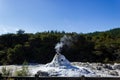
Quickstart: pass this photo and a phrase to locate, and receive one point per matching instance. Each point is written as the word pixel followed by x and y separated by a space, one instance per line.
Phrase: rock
pixel 116 66
pixel 107 66
pixel 114 73
pixel 41 73
pixel 99 68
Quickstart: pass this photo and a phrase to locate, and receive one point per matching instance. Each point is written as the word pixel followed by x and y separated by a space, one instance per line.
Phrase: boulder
pixel 107 66
pixel 116 66
pixel 114 73
pixel 41 73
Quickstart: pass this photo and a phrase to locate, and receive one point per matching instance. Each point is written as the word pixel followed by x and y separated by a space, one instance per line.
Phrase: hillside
pixel 40 47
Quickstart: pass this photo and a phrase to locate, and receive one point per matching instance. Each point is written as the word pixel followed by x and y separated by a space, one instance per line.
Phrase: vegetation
pixel 24 71
pixel 39 47
pixel 6 72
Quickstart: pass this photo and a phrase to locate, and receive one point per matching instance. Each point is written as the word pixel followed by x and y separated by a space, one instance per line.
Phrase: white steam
pixel 65 40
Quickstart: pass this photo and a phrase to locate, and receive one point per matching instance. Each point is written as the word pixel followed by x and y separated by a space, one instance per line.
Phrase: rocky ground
pixel 103 70
pixel 61 67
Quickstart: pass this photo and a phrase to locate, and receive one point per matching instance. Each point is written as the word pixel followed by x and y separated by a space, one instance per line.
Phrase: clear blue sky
pixel 61 15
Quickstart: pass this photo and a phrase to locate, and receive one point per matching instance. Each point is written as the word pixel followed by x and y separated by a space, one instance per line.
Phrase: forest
pixel 16 48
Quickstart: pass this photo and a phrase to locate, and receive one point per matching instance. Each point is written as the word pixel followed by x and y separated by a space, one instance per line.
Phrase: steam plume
pixel 65 40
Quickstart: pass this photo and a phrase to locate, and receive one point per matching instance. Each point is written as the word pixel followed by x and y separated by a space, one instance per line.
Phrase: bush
pixel 6 72
pixel 24 71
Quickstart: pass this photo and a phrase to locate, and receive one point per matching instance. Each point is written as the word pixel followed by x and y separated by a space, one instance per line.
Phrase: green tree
pixel 20 31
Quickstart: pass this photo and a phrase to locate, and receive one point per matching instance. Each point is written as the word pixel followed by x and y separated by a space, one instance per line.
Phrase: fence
pixel 59 78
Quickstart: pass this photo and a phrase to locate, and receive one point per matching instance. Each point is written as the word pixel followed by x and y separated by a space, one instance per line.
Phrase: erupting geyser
pixel 59 60
pixel 60 66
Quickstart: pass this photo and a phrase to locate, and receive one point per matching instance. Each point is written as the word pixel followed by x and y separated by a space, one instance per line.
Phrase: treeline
pixel 39 47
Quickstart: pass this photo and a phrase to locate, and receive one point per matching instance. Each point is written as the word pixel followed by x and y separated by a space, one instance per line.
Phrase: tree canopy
pixel 39 47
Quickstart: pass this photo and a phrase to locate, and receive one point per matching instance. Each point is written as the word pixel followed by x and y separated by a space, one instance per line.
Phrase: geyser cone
pixel 59 60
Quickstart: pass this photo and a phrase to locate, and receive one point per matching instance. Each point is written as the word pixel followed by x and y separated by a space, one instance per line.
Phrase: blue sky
pixel 81 16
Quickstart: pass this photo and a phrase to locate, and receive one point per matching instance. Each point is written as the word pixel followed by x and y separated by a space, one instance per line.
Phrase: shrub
pixel 6 72
pixel 24 71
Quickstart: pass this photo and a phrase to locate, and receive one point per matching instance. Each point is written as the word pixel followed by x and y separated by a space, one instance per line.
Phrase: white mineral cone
pixel 59 60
